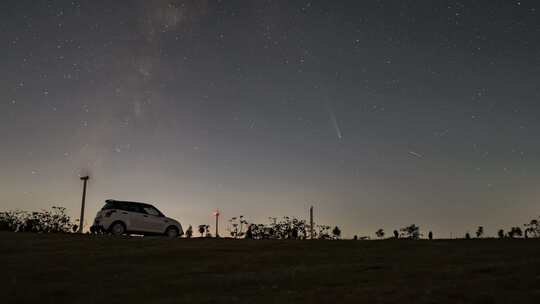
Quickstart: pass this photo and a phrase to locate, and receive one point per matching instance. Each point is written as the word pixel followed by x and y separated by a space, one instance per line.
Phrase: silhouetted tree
pixel 467 236
pixel 518 232
pixel 355 237
pixel 430 235
pixel 202 229
pixel 323 232
pixel 411 232
pixel 189 232
pixel 480 231
pixel 515 232
pixel 236 226
pixel 533 228
pixel 396 234
pixel 336 233
pixel 294 233
pixel 379 233
pixel 501 234
pixel 249 232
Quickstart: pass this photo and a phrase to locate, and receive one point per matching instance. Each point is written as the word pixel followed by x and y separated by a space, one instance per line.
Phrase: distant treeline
pixel 56 220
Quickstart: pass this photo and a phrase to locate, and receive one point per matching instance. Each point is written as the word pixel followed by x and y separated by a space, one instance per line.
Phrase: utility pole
pixel 81 220
pixel 216 214
pixel 311 222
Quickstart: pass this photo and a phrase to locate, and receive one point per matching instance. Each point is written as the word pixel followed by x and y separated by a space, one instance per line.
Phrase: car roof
pixel 128 202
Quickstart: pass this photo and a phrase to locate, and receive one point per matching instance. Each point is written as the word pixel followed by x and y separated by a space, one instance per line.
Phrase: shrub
pixel 236 226
pixel 411 232
pixel 203 228
pixel 533 228
pixel 515 232
pixel 46 221
pixel 189 232
pixel 286 228
pixel 336 233
pixel 480 232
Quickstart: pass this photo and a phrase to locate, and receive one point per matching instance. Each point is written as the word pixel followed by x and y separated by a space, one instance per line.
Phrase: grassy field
pixel 101 269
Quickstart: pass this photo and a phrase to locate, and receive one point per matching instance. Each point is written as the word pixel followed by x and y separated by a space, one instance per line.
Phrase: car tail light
pixel 109 213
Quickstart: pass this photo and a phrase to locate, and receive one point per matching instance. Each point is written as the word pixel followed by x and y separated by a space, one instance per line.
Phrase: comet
pixel 416 154
pixel 335 124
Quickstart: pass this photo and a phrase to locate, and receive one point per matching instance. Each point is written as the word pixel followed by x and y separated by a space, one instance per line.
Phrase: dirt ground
pixel 72 268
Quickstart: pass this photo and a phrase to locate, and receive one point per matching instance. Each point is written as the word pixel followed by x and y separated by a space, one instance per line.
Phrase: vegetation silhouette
pixel 515 232
pixel 336 233
pixel 411 232
pixel 533 228
pixel 285 228
pixel 479 232
pixel 204 230
pixel 45 221
pixel 56 220
pixel 189 232
pixel 236 226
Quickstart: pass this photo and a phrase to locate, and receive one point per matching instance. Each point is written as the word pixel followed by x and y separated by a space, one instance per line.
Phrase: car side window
pixel 151 211
pixel 122 206
pixel 135 208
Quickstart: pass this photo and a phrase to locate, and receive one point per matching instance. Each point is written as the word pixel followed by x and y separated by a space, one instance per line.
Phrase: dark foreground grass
pixel 90 269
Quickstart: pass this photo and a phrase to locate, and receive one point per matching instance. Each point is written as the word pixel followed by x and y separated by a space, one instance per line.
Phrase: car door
pixel 137 219
pixel 154 220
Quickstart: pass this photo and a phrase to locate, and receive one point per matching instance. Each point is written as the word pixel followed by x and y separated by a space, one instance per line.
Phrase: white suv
pixel 121 217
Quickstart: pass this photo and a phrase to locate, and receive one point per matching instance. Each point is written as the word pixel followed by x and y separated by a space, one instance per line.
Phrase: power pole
pixel 311 222
pixel 81 220
pixel 216 214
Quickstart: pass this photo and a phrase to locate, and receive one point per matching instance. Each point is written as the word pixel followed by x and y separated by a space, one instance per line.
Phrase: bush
pixel 411 232
pixel 287 228
pixel 236 226
pixel 54 221
pixel 336 233
pixel 479 232
pixel 515 232
pixel 189 232
pixel 533 228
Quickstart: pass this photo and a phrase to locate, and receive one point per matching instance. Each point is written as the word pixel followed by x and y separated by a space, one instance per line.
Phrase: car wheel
pixel 171 232
pixel 118 228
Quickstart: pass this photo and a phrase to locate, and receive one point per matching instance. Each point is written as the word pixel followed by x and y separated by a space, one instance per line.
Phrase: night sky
pixel 378 113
